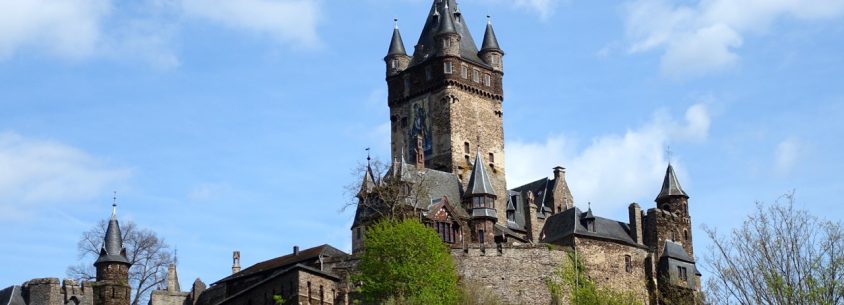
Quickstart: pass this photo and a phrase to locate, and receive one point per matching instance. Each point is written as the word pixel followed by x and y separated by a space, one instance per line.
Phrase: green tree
pixel 406 263
pixel 780 255
pixel 572 284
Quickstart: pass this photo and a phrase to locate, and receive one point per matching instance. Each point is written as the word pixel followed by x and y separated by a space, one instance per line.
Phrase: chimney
pixel 295 250
pixel 235 262
pixel 635 222
pixel 559 172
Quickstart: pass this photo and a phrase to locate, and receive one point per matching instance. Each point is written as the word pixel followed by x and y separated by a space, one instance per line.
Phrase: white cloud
pixel 38 173
pixel 613 169
pixel 703 37
pixel 545 8
pixel 786 155
pixel 67 28
pixel 288 21
pixel 144 30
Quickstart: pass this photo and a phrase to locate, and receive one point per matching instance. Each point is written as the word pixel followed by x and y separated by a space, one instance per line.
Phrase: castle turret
pixel 112 286
pixel 396 59
pixel 490 52
pixel 480 200
pixel 674 200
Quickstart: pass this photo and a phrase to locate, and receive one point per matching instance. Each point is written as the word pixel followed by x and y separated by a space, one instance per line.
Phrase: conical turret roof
pixel 479 183
pixel 670 185
pixel 112 250
pixel 439 18
pixel 396 44
pixel 490 41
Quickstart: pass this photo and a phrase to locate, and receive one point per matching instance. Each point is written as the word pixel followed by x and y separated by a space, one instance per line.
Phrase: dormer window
pixel 448 68
pixel 682 273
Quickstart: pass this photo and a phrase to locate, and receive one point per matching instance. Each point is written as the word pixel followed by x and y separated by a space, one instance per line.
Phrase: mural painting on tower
pixel 420 127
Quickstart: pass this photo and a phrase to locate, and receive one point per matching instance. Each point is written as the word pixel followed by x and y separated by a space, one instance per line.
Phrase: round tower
pixel 112 285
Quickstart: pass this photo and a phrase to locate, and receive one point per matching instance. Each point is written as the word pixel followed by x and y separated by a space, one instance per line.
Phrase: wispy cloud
pixel 544 8
pixel 288 21
pixel 786 155
pixel 702 38
pixel 69 28
pixel 38 173
pixel 145 30
pixel 613 169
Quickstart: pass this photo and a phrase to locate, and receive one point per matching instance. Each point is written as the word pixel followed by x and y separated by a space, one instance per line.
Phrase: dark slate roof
pixel 468 48
pixel 504 231
pixel 396 44
pixel 670 186
pixel 543 194
pixel 490 41
pixel 295 267
pixel 479 183
pixel 112 250
pixel 456 210
pixel 368 183
pixel 304 256
pixel 569 222
pixel 11 296
pixel 676 251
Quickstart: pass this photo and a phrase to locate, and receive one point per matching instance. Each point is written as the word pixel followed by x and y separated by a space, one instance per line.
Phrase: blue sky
pixel 235 125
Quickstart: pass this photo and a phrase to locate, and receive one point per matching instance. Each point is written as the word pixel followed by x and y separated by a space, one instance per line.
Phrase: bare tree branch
pixel 148 254
pixel 780 255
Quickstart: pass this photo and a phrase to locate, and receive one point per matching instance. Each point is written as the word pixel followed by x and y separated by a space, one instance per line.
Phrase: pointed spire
pixel 479 183
pixel 438 19
pixel 396 44
pixel 589 214
pixel 670 185
pixel 490 41
pixel 112 250
pixel 447 24
pixel 368 183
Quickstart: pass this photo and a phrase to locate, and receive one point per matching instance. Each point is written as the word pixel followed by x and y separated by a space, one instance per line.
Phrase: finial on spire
pixel 114 205
pixel 396 23
pixel 668 153
pixel 367 156
pixel 488 19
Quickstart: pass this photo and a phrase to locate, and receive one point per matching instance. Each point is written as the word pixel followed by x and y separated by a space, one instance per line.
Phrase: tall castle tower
pixel 445 100
pixel 112 285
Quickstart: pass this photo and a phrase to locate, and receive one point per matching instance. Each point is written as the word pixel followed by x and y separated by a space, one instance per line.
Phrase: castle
pixel 446 117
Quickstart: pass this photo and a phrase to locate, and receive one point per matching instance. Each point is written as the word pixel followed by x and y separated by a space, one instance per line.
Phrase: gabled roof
pixel 304 256
pixel 11 296
pixel 468 48
pixel 676 251
pixel 562 225
pixel 479 183
pixel 296 267
pixel 670 185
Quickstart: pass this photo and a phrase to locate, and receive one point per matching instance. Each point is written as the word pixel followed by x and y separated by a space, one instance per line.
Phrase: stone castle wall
pixel 49 291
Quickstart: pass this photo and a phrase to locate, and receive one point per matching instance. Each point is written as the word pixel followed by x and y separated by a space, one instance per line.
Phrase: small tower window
pixel 494 59
pixel 428 73
pixel 491 158
pixel 628 264
pixel 466 147
pixel 357 233
pixel 487 80
pixel 394 64
pixel 681 273
pixel 464 71
pixel 447 43
pixel 476 75
pixel 448 68
pixel 686 235
pixel 406 85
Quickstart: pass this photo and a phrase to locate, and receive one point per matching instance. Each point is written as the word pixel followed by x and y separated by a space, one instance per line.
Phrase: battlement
pixel 51 291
